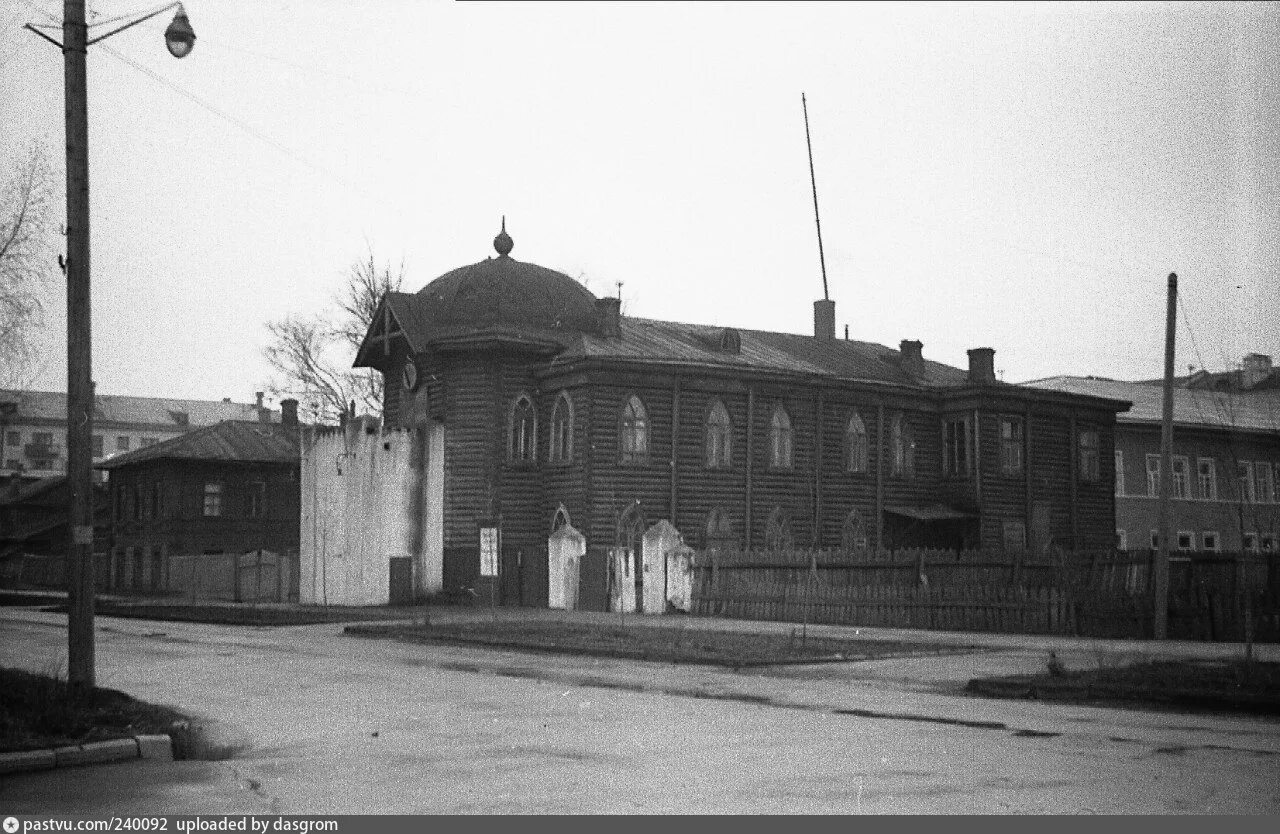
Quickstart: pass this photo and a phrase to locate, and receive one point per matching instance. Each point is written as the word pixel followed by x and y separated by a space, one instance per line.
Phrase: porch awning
pixel 930 512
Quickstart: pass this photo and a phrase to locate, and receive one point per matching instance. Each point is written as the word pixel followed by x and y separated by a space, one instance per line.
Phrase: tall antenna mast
pixel 826 296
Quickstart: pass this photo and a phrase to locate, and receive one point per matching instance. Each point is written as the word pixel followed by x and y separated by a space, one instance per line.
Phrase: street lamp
pixel 180 39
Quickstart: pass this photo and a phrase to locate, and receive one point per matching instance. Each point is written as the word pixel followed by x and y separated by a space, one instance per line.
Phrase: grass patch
pixel 40 711
pixel 670 644
pixel 1182 685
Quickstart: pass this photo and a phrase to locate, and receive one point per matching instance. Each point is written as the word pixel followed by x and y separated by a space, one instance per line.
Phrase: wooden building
pixel 551 409
pixel 222 490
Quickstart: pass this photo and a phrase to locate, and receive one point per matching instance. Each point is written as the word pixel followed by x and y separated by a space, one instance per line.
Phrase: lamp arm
pixel 133 23
pixel 43 35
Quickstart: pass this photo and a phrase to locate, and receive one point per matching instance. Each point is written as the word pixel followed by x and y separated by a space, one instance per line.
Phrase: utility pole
pixel 1161 591
pixel 80 661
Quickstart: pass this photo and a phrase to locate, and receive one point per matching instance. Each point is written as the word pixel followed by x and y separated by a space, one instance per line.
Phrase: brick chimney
pixel 824 319
pixel 289 413
pixel 982 366
pixel 610 310
pixel 912 356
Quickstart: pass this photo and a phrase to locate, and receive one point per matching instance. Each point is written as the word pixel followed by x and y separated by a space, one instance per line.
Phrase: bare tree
pixel 313 355
pixel 25 259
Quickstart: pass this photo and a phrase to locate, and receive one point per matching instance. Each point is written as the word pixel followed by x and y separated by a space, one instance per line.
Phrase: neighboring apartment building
pixel 33 426
pixel 534 405
pixel 228 488
pixel 1226 465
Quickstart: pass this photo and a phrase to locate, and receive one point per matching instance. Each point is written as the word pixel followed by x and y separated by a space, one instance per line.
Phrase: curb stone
pixel 157 747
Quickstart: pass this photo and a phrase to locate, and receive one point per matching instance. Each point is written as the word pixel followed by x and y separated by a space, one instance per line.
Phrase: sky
pixel 1015 176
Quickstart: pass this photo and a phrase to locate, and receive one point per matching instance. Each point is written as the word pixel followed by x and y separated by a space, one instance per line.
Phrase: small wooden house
pixel 214 493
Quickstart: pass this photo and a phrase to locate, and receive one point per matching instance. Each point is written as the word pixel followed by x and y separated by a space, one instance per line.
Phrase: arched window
pixel 562 429
pixel 855 444
pixel 560 519
pixel 719 432
pixel 853 533
pixel 780 446
pixel 903 446
pixel 717 533
pixel 522 444
pixel 777 531
pixel 634 439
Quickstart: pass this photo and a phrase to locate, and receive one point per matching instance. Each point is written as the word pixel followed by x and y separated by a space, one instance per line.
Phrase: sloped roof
pixel 158 411
pixel 1191 406
pixel 676 343
pixel 230 440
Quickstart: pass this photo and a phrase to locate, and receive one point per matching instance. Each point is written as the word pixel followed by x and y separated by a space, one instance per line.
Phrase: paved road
pixel 324 723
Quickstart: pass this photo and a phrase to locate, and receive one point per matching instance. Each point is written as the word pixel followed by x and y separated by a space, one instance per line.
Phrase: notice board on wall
pixel 488 551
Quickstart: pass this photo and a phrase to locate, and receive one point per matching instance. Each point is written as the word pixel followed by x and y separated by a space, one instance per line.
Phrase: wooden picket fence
pixel 1088 592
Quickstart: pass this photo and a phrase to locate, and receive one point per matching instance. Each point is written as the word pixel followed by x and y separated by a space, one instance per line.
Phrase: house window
pixel 1181 478
pixel 718 534
pixel 634 440
pixel 1088 444
pixel 1264 483
pixel 903 445
pixel 42 438
pixel 1249 542
pixel 213 499
pixel 719 430
pixel 523 431
pixel 855 444
pixel 1153 476
pixel 1122 541
pixel 1011 445
pixel 1209 541
pixel 1155 540
pixel 257 499
pixel 562 429
pixel 148 441
pixel 122 443
pixel 1207 476
pixel 777 531
pixel 853 533
pixel 97 445
pixel 1186 540
pixel 13 438
pixel 1268 542
pixel 1244 481
pixel 780 439
pixel 955 448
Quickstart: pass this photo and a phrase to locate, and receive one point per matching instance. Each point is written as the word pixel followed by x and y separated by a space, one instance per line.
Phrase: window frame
pixel 1088 455
pixel 1180 482
pixel 717 436
pixel 522 446
pixel 1119 473
pixel 782 435
pixel 1014 445
pixel 902 447
pixel 560 451
pixel 955 447
pixel 257 503
pixel 1210 494
pixel 1154 474
pixel 1208 536
pixel 1191 541
pixel 857 445
pixel 633 431
pixel 1264 482
pixel 1244 478
pixel 214 490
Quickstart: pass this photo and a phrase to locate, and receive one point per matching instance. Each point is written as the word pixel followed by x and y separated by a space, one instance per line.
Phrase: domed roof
pixel 505 293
